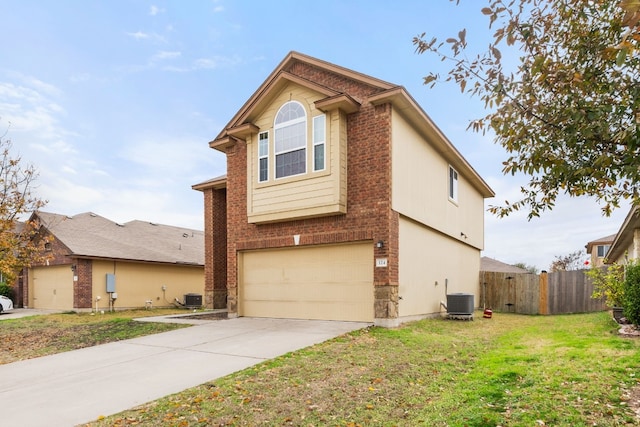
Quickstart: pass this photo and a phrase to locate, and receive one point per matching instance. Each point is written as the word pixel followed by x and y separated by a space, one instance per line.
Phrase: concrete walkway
pixel 77 387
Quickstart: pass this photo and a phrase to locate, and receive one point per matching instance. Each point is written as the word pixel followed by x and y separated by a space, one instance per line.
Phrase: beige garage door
pixel 326 282
pixel 51 288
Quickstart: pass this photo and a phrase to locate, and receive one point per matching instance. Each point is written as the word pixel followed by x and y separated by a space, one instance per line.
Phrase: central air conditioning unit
pixel 460 304
pixel 193 300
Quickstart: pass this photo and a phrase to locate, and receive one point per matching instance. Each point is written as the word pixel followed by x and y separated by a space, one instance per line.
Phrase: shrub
pixel 631 301
pixel 6 290
pixel 608 282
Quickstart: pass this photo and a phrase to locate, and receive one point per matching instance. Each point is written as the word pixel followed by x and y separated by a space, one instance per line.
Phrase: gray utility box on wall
pixel 192 300
pixel 460 304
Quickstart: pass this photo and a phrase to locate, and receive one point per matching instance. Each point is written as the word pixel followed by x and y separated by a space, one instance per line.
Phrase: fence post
pixel 543 304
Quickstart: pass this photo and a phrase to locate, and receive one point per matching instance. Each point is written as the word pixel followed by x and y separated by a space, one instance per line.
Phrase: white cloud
pixel 139 35
pixel 154 10
pixel 216 62
pixel 162 55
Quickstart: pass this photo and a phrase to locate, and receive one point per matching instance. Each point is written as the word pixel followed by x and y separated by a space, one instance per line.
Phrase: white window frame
pixel 320 141
pixel 605 250
pixel 452 181
pixel 263 155
pixel 302 147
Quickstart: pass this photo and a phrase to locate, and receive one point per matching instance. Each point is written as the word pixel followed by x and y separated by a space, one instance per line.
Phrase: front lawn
pixel 511 370
pixel 35 336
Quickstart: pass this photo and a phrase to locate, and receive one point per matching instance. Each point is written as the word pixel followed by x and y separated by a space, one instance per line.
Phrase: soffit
pixel 625 234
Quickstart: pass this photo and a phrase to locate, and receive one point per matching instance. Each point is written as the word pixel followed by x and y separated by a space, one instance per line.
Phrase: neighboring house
pixel 493 265
pixel 342 201
pixel 626 245
pixel 91 258
pixel 598 250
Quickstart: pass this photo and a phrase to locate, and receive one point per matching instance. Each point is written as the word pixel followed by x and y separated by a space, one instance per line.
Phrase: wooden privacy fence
pixel 546 293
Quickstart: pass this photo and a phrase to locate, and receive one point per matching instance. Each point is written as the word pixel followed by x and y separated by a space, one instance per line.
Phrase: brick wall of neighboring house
pixel 369 215
pixel 82 288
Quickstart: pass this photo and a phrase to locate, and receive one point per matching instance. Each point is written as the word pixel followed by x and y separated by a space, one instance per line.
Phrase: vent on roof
pixel 119 224
pixel 92 214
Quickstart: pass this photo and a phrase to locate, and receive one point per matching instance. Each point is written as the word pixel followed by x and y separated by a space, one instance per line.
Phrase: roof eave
pixel 406 105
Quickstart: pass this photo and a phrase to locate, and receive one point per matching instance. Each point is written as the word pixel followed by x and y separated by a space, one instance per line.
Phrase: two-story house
pixel 598 250
pixel 342 201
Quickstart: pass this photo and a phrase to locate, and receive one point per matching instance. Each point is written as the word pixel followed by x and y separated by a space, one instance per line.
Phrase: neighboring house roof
pixel 493 265
pixel 607 240
pixel 92 236
pixel 241 124
pixel 625 235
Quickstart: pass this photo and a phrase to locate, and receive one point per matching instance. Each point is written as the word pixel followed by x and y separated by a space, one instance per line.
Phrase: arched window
pixel 290 130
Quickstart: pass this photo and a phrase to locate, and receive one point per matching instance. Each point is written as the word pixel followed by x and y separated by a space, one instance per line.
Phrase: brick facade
pixel 369 216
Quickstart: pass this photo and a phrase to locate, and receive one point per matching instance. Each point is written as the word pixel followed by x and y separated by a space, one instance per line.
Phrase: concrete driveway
pixel 77 387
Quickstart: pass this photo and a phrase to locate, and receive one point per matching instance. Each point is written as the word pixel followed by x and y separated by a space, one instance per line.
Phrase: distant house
pixel 493 265
pixel 626 244
pixel 92 261
pixel 598 250
pixel 342 201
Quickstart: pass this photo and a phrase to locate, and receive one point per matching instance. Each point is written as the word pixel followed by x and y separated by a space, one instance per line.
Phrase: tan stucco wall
pixel 418 169
pixel 137 283
pixel 310 194
pixel 429 263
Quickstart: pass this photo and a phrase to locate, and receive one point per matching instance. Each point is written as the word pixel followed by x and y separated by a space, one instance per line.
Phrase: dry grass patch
pixel 36 336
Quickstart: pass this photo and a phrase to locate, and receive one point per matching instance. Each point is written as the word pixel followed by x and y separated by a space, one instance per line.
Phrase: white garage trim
pixel 332 282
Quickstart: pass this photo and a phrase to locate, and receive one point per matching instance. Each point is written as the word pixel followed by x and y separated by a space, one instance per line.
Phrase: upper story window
pixel 290 128
pixel 319 142
pixel 453 184
pixel 602 250
pixel 263 156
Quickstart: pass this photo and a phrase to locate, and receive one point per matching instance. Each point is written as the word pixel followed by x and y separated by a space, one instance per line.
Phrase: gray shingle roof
pixel 90 235
pixel 490 264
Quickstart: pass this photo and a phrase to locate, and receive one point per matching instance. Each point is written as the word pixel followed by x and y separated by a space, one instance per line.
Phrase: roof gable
pixel 347 90
pixel 291 70
pixel 92 236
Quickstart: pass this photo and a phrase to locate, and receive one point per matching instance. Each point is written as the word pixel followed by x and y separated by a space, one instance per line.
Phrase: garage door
pixel 51 288
pixel 325 282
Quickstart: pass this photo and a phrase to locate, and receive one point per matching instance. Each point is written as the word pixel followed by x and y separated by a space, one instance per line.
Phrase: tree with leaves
pixel 568 114
pixel 530 268
pixel 19 246
pixel 569 262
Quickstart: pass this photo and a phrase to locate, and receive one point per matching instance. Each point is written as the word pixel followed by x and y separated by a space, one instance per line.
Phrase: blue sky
pixel 114 101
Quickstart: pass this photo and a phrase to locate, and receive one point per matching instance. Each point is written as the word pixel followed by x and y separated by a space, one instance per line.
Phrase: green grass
pixel 35 336
pixel 511 370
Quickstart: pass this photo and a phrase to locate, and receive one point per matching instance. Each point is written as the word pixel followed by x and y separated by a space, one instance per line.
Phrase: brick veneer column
pixel 219 245
pixel 82 288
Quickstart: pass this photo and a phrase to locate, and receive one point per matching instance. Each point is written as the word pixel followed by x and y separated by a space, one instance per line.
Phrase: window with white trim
pixel 263 156
pixel 602 250
pixel 290 140
pixel 453 184
pixel 319 142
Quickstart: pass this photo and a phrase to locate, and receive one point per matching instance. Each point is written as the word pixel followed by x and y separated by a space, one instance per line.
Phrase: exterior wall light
pixel 379 244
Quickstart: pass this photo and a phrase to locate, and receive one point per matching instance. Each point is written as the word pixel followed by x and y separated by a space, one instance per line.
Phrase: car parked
pixel 5 304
